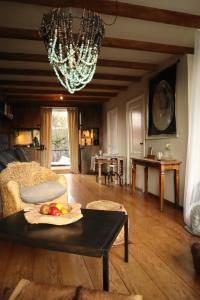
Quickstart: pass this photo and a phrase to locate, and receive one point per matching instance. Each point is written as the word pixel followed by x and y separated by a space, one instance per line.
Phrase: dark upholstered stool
pixel 195 250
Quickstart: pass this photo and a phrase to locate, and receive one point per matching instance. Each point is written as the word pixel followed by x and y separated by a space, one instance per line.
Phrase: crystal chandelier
pixel 73 57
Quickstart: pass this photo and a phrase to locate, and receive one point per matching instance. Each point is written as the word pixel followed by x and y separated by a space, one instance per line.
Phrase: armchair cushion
pixel 42 192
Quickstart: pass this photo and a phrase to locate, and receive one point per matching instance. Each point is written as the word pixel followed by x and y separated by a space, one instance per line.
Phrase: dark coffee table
pixel 93 235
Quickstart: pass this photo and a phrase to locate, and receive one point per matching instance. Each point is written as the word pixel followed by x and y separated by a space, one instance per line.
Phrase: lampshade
pixel 23 137
pixel 86 133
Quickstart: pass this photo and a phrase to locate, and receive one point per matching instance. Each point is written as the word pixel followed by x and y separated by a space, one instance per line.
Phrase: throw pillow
pixel 195 219
pixel 19 152
pixel 6 158
pixel 42 192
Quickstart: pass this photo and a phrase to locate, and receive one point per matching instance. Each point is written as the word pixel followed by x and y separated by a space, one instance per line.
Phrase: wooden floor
pixel 160 264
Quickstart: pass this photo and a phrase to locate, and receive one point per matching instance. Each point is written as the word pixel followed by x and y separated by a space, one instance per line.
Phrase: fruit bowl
pixel 33 215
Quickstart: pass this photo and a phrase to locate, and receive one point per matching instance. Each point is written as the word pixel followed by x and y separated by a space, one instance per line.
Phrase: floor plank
pixel 135 278
pixel 73 270
pixel 168 282
pixel 94 266
pixel 160 263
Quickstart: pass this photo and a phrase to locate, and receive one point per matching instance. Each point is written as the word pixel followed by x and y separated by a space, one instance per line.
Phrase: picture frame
pixel 161 105
pixel 36 137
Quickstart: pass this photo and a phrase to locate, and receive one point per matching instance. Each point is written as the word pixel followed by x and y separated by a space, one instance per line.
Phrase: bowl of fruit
pixel 53 213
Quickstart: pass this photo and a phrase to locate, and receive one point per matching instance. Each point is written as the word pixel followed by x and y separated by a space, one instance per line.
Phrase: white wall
pixel 178 145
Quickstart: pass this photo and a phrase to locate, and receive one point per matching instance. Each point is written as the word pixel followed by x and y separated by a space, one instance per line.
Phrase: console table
pixel 162 166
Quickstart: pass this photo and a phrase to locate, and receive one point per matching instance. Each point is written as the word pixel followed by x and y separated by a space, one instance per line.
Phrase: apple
pixel 54 211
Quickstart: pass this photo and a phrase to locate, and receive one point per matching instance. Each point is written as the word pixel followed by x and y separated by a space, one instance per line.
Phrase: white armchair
pixel 26 174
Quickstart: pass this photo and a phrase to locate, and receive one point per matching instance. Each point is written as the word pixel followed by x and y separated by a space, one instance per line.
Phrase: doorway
pixel 60 140
pixel 135 131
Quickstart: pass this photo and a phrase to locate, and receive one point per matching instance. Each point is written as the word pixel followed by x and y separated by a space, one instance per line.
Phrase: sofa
pixel 11 155
pixel 19 178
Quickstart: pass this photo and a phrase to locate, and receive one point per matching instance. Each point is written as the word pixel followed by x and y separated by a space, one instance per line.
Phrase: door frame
pixel 115 109
pixel 128 104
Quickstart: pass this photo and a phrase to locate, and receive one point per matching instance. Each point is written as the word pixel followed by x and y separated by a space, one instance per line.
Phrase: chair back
pixel 21 172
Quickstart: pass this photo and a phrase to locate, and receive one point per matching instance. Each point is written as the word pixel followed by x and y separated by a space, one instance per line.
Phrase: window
pixel 60 138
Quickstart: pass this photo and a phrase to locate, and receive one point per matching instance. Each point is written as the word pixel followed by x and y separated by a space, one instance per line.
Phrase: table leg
pixel 146 180
pixel 133 177
pixel 99 172
pixel 105 272
pixel 126 241
pixel 162 187
pixel 176 187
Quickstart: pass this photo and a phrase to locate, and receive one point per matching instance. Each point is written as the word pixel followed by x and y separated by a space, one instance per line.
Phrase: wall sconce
pixel 89 137
pixel 86 137
pixel 86 133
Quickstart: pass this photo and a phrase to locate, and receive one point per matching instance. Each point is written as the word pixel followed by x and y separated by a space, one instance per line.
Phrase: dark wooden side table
pixel 93 235
pixel 162 166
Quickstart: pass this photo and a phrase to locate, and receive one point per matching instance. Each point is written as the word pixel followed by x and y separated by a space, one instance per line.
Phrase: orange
pixel 64 211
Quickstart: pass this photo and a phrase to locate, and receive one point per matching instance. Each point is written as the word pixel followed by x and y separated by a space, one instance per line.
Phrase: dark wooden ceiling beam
pixel 101 62
pixel 11 91
pixel 23 57
pixel 74 98
pixel 91 86
pixel 125 10
pixel 29 34
pixel 146 46
pixel 64 103
pixel 19 33
pixel 35 72
pixel 126 64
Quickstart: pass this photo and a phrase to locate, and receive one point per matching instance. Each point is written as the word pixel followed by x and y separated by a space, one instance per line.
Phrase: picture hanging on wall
pixel 161 116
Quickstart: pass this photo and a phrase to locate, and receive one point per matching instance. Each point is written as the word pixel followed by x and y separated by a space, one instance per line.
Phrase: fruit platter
pixel 53 213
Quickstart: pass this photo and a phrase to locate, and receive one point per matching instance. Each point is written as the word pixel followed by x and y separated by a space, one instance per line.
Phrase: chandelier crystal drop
pixel 73 57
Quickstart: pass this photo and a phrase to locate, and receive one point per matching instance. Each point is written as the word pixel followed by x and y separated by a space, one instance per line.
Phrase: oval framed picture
pixel 161 105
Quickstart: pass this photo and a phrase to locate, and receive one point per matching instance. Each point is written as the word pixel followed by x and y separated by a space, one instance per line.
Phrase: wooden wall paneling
pixel 24 117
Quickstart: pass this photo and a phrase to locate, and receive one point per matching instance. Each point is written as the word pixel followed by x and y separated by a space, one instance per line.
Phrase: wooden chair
pixel 113 171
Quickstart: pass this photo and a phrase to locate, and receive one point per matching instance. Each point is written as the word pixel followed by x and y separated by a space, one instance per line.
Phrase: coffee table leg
pixel 105 272
pixel 126 241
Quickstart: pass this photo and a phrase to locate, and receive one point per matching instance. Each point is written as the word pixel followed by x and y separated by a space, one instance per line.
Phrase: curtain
pixel 192 178
pixel 46 154
pixel 73 139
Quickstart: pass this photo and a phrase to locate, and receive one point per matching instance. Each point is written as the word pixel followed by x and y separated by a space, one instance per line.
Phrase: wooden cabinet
pixel 85 158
